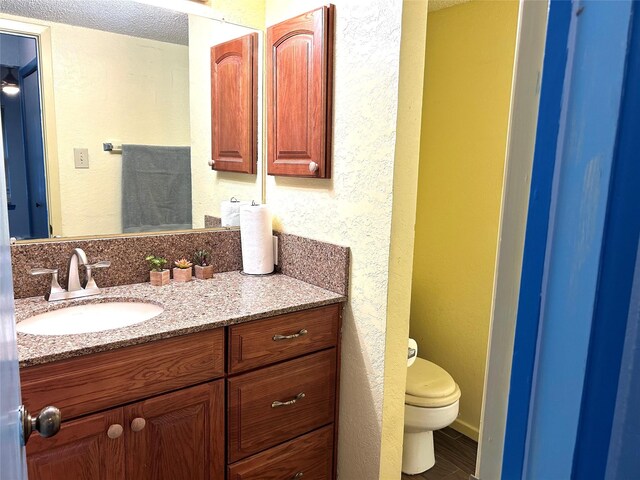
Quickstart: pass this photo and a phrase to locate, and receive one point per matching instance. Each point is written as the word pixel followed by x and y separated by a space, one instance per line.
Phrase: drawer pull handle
pixel 137 424
pixel 298 475
pixel 288 402
pixel 289 337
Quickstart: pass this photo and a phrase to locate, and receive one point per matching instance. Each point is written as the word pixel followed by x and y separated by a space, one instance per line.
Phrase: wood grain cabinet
pixel 282 405
pixel 176 436
pixel 307 458
pixel 169 420
pixel 167 410
pixel 234 105
pixel 82 450
pixel 299 95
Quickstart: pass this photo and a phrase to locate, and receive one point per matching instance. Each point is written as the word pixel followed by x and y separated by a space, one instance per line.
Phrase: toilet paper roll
pixel 413 352
pixel 256 239
pixel 230 212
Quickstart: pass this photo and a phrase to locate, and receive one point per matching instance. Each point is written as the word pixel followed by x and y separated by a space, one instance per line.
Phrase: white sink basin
pixel 90 317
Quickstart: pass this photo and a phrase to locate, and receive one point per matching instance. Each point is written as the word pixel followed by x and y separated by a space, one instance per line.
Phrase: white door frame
pixel 523 117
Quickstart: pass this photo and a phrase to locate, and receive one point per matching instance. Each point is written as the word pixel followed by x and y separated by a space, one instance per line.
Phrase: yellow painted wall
pixel 405 186
pixel 469 63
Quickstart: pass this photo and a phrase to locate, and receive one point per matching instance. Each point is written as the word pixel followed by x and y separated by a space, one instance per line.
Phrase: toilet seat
pixel 429 385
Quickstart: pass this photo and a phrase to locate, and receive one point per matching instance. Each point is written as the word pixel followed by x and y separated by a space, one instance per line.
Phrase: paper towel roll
pixel 256 239
pixel 413 352
pixel 230 212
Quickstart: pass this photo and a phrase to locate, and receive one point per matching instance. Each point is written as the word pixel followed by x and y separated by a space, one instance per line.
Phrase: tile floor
pixel 455 457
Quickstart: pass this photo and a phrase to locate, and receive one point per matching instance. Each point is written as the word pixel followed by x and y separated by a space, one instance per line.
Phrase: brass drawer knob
pixel 138 424
pixel 115 431
pixel 298 475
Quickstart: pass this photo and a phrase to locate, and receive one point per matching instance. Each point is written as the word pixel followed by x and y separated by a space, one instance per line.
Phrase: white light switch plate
pixel 81 157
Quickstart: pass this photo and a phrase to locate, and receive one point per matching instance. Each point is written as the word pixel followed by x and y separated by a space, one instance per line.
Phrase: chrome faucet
pixel 74 288
pixel 78 257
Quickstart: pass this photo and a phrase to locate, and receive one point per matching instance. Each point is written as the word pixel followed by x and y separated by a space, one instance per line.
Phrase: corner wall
pixel 469 66
pixel 354 207
pixel 405 186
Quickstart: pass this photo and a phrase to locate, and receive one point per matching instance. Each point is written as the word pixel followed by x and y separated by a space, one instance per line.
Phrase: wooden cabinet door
pixel 82 450
pixel 177 436
pixel 234 105
pixel 299 95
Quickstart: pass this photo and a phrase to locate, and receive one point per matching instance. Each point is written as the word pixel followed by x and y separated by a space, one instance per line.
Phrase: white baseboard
pixel 466 429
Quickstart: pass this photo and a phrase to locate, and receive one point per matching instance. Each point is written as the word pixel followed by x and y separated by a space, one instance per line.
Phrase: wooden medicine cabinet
pixel 299 95
pixel 234 105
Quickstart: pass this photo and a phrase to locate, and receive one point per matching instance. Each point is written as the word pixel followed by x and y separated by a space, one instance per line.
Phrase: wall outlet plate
pixel 81 157
pixel 275 250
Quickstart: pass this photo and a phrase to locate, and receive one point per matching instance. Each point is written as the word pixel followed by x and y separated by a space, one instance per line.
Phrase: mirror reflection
pixel 106 119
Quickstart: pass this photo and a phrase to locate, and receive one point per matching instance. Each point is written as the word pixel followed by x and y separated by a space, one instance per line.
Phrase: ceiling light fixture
pixel 10 84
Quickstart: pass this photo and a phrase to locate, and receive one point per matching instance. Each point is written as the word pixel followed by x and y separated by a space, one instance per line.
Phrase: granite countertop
pixel 228 298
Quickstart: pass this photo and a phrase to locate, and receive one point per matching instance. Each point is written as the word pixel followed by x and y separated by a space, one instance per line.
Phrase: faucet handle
pixel 101 264
pixel 91 283
pixel 56 289
pixel 44 271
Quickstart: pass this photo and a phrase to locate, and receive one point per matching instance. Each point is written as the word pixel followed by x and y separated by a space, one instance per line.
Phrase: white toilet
pixel 431 402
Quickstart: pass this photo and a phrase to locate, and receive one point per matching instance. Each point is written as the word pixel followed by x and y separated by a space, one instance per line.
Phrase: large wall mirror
pixel 130 74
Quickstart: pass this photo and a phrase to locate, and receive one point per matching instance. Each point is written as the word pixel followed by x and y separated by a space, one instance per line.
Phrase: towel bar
pixel 111 148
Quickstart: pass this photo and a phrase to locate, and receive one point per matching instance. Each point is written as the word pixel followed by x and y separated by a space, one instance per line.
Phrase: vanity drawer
pixel 103 380
pixel 310 454
pixel 304 386
pixel 261 342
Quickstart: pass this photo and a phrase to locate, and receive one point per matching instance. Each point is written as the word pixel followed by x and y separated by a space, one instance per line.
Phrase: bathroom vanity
pixel 224 383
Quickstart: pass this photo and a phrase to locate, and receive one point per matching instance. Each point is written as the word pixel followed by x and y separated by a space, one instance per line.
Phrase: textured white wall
pixel 210 187
pixel 354 207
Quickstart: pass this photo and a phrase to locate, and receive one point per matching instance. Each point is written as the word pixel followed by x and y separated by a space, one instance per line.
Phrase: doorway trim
pixel 42 35
pixel 521 137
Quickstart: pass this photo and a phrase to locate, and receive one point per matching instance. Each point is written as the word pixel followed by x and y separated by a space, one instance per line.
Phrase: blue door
pixel 34 150
pixel 575 379
pixel 12 462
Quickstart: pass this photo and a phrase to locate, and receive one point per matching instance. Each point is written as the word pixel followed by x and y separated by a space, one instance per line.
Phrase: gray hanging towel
pixel 156 188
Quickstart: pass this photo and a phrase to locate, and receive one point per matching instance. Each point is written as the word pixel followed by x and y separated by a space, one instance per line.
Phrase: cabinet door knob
pixel 313 166
pixel 138 424
pixel 115 431
pixel 298 475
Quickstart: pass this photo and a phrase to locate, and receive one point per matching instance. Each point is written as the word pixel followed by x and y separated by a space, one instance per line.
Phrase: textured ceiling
pixel 440 4
pixel 118 16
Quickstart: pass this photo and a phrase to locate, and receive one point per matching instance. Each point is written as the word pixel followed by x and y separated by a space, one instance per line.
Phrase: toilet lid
pixel 429 385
